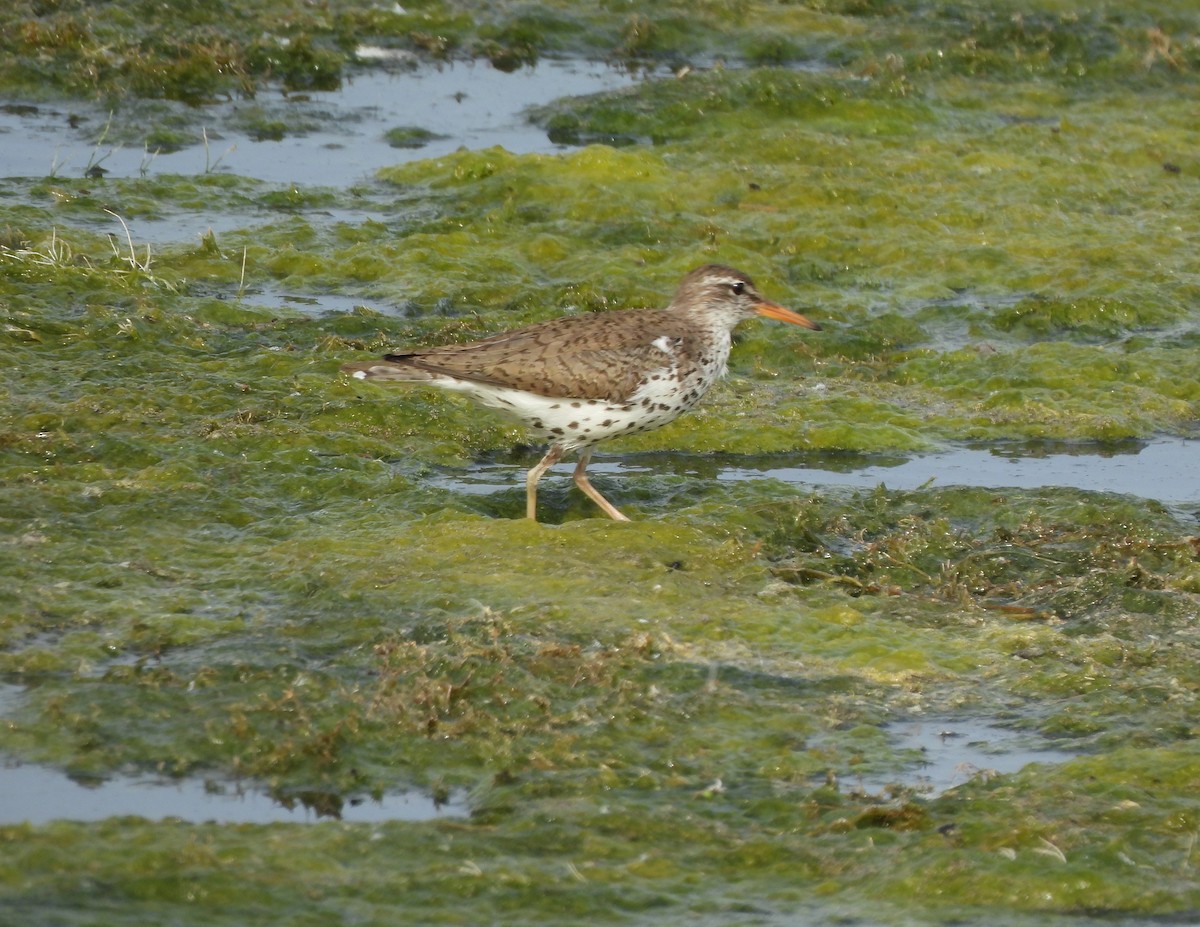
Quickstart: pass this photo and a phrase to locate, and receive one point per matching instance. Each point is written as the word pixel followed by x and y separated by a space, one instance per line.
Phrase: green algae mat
pixel 224 563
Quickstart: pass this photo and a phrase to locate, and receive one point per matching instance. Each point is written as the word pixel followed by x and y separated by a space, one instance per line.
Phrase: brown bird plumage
pixel 578 380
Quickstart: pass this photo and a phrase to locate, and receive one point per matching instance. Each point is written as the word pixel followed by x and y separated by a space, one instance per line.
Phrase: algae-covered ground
pixel 222 561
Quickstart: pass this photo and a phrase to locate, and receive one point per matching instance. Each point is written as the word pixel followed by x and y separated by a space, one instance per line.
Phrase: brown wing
pixel 603 356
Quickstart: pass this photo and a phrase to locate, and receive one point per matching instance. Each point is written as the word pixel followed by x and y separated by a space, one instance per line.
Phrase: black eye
pixel 738 288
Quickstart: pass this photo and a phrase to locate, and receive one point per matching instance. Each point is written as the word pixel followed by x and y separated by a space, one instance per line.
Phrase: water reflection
pixel 36 794
pixel 1167 471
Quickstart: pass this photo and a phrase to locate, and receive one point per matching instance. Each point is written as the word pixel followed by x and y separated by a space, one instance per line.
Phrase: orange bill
pixel 774 311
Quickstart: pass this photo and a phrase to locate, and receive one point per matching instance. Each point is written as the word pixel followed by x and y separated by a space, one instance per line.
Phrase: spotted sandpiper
pixel 579 380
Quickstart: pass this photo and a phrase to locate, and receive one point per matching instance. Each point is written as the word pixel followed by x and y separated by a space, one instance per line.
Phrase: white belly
pixel 579 423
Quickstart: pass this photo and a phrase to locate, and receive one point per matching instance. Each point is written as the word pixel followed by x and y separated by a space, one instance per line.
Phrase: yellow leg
pixel 591 491
pixel 535 473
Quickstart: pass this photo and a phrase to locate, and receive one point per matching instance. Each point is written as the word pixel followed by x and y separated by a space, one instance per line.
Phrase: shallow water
pixel 954 751
pixel 1167 471
pixel 469 105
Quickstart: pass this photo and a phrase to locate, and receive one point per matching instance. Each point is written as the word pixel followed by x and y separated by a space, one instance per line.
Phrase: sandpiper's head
pixel 729 293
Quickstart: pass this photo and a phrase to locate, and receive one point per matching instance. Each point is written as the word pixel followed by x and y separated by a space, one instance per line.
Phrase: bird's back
pixel 606 356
